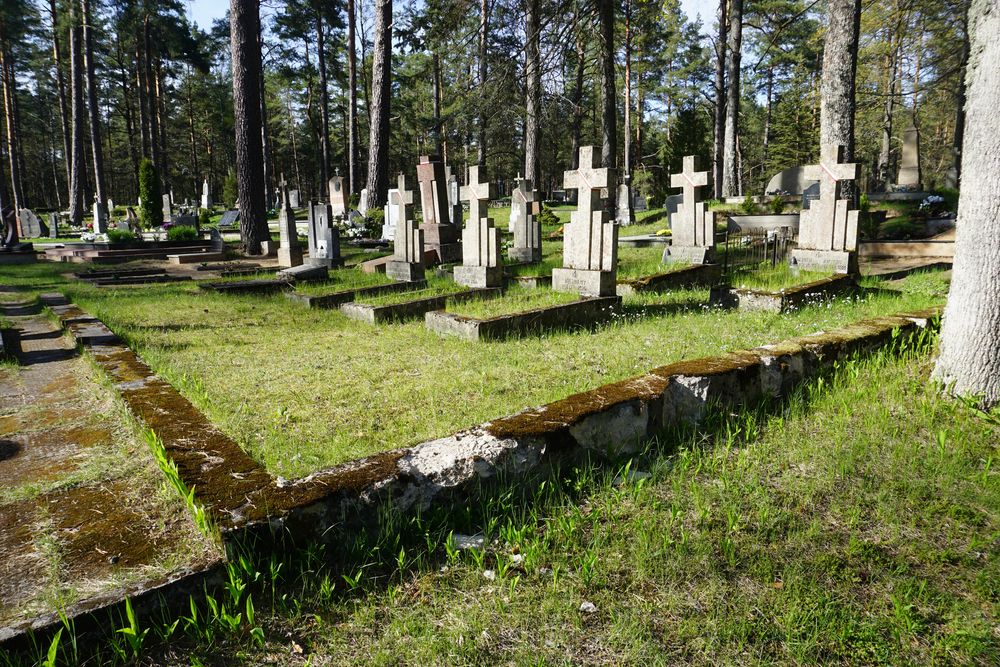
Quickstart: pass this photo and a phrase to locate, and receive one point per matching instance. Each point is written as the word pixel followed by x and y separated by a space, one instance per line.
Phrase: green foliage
pixel 869 222
pixel 778 205
pixel 121 236
pixel 374 219
pixel 151 209
pixel 547 218
pixel 230 190
pixel 182 233
pixel 204 217
pixel 748 206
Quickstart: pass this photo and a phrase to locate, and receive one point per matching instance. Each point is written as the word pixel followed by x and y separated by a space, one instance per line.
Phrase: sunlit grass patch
pixel 514 300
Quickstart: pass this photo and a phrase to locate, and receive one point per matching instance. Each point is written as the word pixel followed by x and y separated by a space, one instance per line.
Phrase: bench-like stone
pixel 585 312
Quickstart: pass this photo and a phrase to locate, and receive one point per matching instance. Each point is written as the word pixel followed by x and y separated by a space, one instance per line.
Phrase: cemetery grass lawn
pixel 855 525
pixel 515 300
pixel 776 278
pixel 435 287
pixel 304 389
pixel 340 280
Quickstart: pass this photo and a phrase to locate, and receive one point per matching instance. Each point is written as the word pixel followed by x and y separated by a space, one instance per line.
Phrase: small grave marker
pixel 481 265
pixel 525 208
pixel 289 252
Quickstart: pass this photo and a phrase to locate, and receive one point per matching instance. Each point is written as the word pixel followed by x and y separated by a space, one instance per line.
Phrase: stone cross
pixel 338 200
pixel 525 208
pixel 689 227
pixel 828 224
pixel 588 180
pixel 290 252
pixel 481 265
pixel 433 193
pixel 407 261
pixel 206 195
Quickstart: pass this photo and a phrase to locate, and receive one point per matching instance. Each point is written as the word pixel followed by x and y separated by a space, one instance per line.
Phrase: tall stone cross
pixel 403 200
pixel 283 184
pixel 828 224
pixel 525 207
pixel 477 194
pixel 591 242
pixel 407 261
pixel 433 193
pixel 688 226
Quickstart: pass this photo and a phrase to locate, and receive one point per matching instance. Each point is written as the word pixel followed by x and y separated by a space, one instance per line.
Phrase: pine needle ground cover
pixel 304 389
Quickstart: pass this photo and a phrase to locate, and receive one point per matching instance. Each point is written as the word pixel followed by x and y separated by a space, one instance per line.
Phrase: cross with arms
pixel 587 179
pixel 688 223
pixel 827 224
pixel 476 193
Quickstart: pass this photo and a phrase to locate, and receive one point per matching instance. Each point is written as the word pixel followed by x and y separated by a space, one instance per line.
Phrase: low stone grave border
pixel 249 505
pixel 244 287
pixel 696 274
pixel 529 282
pixel 408 310
pixel 585 312
pixel 784 300
pixel 335 299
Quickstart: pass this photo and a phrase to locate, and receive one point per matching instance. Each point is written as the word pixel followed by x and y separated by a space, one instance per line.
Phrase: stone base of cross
pixel 481 262
pixel 828 229
pixel 407 263
pixel 289 252
pixel 524 224
pixel 590 245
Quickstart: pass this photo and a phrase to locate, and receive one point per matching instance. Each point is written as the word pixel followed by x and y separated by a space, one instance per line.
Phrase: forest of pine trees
pixel 91 87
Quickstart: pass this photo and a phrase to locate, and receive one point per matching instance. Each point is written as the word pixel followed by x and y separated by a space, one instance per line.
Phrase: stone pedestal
pixel 100 219
pixel 525 255
pixel 584 282
pixel 268 248
pixel 289 256
pixel 327 251
pixel 688 255
pixel 443 241
pixel 404 271
pixel 479 276
pixel 831 261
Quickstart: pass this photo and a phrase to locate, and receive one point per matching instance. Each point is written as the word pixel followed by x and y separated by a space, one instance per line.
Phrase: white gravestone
pixel 481 265
pixel 100 219
pixel 390 217
pixel 623 204
pixel 293 198
pixel 454 198
pixel 692 235
pixel 908 178
pixel 525 208
pixel 407 263
pixel 206 195
pixel 338 196
pixel 363 201
pixel 590 247
pixel 828 229
pixel 168 208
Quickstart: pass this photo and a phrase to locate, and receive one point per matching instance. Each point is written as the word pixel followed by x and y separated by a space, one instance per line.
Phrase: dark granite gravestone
pixel 810 194
pixel 218 243
pixel 229 219
pixel 639 202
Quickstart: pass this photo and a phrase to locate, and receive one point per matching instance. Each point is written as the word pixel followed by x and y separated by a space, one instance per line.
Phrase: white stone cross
pixel 477 194
pixel 688 225
pixel 587 179
pixel 828 223
pixel 590 240
pixel 403 198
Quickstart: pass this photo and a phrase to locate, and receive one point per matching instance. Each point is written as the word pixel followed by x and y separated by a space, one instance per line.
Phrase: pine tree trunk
pixel 352 104
pixel 436 101
pixel 969 363
pixel 140 90
pixel 532 71
pixel 628 89
pixel 77 175
pixel 244 22
pixel 719 120
pixel 265 136
pixel 484 26
pixel 885 150
pixel 378 136
pixel 161 129
pixel 609 106
pixel 577 89
pixel 324 105
pixel 730 177
pixel 96 147
pixel 840 62
pixel 768 111
pixel 956 146
pixel 60 88
pixel 10 113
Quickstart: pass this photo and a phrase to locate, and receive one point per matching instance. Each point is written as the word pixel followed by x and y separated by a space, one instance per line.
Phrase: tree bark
pixel 244 24
pixel 609 101
pixel 324 104
pixel 378 136
pixel 628 89
pixel 532 71
pixel 885 151
pixel 436 100
pixel 352 105
pixel 77 176
pixel 969 363
pixel 265 135
pixel 93 105
pixel 10 113
pixel 719 120
pixel 730 177
pixel 60 88
pixel 840 63
pixel 151 104
pixel 577 89
pixel 956 146
pixel 484 25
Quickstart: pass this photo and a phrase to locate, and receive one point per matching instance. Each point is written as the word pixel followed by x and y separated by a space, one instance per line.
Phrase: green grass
pixel 776 278
pixel 340 280
pixel 295 387
pixel 435 287
pixel 854 525
pixel 514 300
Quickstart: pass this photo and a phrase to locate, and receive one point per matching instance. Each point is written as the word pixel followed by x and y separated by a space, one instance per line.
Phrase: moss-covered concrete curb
pixel 783 300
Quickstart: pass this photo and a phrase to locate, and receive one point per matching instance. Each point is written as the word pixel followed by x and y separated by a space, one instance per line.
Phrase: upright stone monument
pixel 53 225
pixel 100 219
pixel 481 264
pixel 30 226
pixel 692 237
pixel 338 196
pixel 293 199
pixel 909 163
pixel 440 235
pixel 363 201
pixel 390 218
pixel 324 236
pixel 828 229
pixel 590 248
pixel 206 195
pixel 524 210
pixel 168 208
pixel 407 263
pixel 290 252
pixel 454 200
pixel 624 213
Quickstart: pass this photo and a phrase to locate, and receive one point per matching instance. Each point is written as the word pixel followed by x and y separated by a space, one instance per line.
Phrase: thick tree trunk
pixel 127 112
pixel 378 136
pixel 628 89
pixel 956 145
pixel 719 119
pixel 533 91
pixel 436 101
pixel 840 63
pixel 60 88
pixel 140 87
pixel 730 177
pixel 77 175
pixel 577 89
pixel 244 24
pixel 969 363
pixel 352 105
pixel 265 135
pixel 484 26
pixel 609 106
pixel 324 105
pixel 93 105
